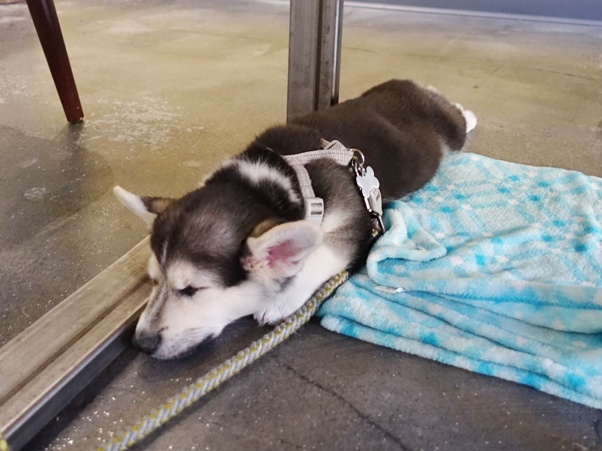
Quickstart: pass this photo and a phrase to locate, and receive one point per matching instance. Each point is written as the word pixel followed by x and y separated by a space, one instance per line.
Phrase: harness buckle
pixel 314 209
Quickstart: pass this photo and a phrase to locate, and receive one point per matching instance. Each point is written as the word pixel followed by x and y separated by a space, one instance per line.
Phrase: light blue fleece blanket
pixel 494 267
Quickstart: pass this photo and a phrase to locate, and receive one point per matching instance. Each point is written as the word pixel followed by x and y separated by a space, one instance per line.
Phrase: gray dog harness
pixel 365 179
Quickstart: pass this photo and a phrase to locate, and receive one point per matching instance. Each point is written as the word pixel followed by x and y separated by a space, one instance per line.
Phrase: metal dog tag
pixel 376 202
pixel 368 183
pixel 369 186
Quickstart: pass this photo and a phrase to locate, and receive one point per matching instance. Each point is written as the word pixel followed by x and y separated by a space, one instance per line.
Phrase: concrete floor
pixel 171 89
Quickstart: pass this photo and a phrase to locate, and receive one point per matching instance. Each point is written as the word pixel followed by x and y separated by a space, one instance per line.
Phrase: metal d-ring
pixel 357 161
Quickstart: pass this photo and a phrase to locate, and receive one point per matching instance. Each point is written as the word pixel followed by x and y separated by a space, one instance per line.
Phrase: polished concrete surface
pixel 171 89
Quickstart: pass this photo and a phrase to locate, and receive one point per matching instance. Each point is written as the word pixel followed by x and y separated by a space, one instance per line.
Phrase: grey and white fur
pixel 238 245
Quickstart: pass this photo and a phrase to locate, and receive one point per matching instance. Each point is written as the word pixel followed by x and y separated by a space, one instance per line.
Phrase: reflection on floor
pixel 169 89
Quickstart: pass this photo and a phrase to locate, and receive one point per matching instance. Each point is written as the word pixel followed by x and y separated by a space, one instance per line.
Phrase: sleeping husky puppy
pixel 241 244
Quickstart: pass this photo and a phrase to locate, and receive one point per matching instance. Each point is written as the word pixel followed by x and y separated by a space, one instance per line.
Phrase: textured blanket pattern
pixel 494 267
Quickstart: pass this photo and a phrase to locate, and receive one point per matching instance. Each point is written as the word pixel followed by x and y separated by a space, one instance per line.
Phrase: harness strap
pixel 333 150
pixel 314 206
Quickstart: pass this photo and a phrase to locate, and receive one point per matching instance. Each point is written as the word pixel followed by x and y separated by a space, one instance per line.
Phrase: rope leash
pixel 193 392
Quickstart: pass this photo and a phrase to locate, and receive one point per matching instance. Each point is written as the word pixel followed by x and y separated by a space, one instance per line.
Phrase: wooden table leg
pixel 48 28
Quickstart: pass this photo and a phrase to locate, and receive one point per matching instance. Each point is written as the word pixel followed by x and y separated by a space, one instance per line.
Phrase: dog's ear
pixel 281 251
pixel 144 207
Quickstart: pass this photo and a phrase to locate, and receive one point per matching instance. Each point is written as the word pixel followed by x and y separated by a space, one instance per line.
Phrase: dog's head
pixel 217 256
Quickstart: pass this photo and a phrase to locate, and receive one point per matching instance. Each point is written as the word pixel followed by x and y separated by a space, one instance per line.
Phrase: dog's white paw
pixel 268 317
pixel 277 312
pixel 469 117
pixel 471 120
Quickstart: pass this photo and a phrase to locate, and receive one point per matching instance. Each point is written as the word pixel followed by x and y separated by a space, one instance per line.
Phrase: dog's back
pixel 402 128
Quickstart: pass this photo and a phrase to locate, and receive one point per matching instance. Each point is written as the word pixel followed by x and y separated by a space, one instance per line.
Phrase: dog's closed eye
pixel 188 291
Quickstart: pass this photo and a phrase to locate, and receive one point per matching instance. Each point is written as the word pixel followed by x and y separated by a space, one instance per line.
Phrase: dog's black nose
pixel 147 342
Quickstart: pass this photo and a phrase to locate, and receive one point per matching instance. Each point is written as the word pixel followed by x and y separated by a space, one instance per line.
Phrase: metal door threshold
pixel 479 14
pixel 47 365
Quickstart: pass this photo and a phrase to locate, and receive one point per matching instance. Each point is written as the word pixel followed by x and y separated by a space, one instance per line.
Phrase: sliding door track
pixel 47 365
